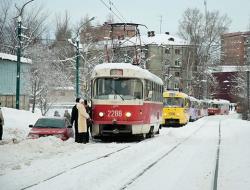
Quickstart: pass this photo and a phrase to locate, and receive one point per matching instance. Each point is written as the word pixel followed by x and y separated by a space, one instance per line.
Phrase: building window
pixel 177 51
pixel 177 63
pixel 177 74
pixel 176 86
pixel 167 50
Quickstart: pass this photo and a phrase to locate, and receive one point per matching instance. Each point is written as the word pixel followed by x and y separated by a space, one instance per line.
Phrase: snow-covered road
pixel 178 158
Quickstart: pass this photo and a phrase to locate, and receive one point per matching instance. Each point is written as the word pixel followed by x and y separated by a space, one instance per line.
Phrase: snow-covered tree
pixel 90 53
pixel 203 31
pixel 63 50
pixel 46 74
pixel 239 89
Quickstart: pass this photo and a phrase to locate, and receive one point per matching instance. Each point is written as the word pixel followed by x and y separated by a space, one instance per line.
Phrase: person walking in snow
pixel 1 123
pixel 56 114
pixel 67 115
pixel 74 120
pixel 82 122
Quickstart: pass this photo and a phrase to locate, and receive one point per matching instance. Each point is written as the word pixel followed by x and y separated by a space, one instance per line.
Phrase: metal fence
pixel 10 101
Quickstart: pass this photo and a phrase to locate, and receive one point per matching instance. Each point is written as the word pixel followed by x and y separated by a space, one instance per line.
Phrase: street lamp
pixel 19 47
pixel 19 31
pixel 77 41
pixel 248 94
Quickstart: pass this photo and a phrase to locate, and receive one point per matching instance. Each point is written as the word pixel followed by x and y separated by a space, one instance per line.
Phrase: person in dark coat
pixel 56 114
pixel 89 121
pixel 1 123
pixel 74 120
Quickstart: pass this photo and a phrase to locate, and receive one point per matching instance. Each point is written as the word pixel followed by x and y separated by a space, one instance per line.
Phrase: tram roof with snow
pixel 124 69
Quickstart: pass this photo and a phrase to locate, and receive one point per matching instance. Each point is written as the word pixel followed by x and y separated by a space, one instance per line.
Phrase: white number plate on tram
pixel 114 113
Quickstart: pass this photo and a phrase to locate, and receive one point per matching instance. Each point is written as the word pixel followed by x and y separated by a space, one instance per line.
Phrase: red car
pixel 56 126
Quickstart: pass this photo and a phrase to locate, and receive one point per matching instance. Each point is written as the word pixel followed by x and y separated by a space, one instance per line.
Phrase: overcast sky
pixel 149 12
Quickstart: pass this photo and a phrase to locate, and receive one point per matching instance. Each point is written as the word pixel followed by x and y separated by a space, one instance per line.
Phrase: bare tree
pixel 4 11
pixel 33 21
pixel 63 29
pixel 203 32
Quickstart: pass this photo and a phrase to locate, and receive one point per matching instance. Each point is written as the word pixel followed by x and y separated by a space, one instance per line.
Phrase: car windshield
pixel 118 88
pixel 49 123
pixel 173 102
pixel 215 106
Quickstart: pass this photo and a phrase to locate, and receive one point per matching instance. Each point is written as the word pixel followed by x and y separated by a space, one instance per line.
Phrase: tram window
pixel 187 103
pixel 136 88
pixel 126 88
pixel 148 90
pixel 132 88
pixel 173 102
pixel 157 92
pixel 153 91
pixel 215 106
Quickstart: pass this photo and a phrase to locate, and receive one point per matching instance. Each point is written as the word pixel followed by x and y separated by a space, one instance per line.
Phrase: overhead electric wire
pixel 118 11
pixel 109 8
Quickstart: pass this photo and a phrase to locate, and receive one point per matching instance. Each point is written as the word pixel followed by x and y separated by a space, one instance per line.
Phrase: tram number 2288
pixel 114 113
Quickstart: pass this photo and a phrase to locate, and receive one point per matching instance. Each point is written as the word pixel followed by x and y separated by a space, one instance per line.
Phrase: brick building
pixel 234 48
pixel 110 31
pixel 235 52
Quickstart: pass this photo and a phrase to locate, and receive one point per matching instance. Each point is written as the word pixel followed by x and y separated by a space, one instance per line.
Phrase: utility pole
pixel 77 40
pixel 19 48
pixel 19 32
pixel 160 22
pixel 77 67
pixel 248 101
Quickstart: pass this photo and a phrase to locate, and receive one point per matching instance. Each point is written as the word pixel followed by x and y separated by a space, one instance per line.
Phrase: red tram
pixel 218 107
pixel 126 100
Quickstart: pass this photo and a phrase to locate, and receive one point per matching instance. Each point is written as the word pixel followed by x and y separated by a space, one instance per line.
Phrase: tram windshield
pixel 118 88
pixel 173 102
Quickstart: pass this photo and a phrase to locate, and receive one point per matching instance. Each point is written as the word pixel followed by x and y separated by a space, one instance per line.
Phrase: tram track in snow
pixel 149 166
pixel 216 171
pixel 143 171
pixel 77 166
pixel 85 163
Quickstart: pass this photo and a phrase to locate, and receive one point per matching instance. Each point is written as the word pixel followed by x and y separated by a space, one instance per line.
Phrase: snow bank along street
pixel 177 158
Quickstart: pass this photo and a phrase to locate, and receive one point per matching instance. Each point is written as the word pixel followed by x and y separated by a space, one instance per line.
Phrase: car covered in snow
pixel 51 126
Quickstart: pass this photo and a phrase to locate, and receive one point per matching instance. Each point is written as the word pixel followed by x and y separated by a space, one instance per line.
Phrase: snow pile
pixel 16 123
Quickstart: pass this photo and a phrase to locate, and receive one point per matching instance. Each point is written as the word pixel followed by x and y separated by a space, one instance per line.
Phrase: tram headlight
pixel 128 114
pixel 101 114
